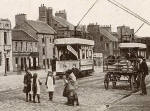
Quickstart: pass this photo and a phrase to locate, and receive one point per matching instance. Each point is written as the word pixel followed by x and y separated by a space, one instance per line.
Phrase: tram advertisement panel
pixel 69 64
pixel 86 64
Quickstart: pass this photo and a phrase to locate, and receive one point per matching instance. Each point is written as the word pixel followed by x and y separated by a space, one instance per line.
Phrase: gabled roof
pixel 20 35
pixel 41 27
pixel 108 35
pixel 65 23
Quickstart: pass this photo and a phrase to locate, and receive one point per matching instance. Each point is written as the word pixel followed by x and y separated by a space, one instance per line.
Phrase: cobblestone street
pixel 92 97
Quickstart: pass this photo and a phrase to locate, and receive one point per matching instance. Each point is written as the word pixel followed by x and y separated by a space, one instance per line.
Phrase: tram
pixel 74 52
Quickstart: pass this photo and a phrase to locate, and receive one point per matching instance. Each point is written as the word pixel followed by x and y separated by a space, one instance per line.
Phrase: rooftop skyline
pixel 103 13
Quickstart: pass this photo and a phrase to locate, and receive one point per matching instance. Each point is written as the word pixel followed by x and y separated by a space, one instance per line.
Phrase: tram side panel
pixel 85 66
pixel 62 66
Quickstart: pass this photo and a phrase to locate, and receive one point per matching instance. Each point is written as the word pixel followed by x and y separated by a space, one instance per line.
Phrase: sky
pixel 103 13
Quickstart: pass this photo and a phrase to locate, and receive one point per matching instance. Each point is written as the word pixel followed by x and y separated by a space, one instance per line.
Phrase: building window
pixel 43 40
pixel 106 46
pixel 21 46
pixel 31 47
pixel 6 25
pixel 44 62
pixel 50 40
pixel 16 60
pixel 26 46
pixel 5 38
pixel 0 58
pixel 101 38
pixel 16 45
pixel 43 50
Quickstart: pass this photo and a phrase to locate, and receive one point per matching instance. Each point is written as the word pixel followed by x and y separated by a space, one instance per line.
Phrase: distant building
pixel 60 23
pixel 25 50
pixel 41 32
pixel 105 42
pixel 144 40
pixel 5 46
pixel 126 34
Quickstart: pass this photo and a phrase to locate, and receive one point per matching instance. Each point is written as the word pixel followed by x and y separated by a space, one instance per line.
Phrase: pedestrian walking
pixel 143 71
pixel 53 65
pixel 72 86
pixel 50 83
pixel 36 87
pixel 70 90
pixel 27 84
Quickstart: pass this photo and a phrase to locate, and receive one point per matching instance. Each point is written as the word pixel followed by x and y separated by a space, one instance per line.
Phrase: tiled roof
pixel 41 27
pixel 22 35
pixel 65 23
pixel 108 35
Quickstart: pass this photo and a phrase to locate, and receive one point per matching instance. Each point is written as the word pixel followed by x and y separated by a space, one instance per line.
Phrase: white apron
pixel 50 85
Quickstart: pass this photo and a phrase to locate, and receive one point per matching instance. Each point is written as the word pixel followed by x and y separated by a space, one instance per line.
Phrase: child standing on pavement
pixel 36 87
pixel 50 83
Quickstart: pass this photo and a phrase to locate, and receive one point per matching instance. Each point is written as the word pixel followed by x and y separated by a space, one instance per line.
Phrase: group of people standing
pixel 32 85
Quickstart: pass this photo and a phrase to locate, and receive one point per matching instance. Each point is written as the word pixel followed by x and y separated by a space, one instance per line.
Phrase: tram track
pixel 81 81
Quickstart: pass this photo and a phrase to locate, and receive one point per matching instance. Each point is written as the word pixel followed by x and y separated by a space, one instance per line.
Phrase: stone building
pixel 60 23
pixel 25 50
pixel 126 34
pixel 144 40
pixel 105 42
pixel 43 33
pixel 5 46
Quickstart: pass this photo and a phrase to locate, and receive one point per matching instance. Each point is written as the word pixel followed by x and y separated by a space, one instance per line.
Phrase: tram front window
pixel 68 56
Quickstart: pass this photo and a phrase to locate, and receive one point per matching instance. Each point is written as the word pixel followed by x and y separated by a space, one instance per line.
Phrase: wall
pixel 5 26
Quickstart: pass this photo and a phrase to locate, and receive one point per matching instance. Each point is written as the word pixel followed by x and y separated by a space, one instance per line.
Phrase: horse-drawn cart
pixel 121 69
pixel 124 69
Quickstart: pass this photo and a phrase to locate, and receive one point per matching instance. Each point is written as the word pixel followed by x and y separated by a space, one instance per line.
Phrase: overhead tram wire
pixel 86 13
pixel 139 28
pixel 75 27
pixel 137 16
pixel 129 11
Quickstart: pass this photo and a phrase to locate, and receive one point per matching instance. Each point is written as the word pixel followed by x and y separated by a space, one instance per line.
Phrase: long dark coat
pixel 27 82
pixel 143 68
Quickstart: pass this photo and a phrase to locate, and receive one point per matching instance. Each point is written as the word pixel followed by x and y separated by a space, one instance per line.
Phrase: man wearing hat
pixel 143 71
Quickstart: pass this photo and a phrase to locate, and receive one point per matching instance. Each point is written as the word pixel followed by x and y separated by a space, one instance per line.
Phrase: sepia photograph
pixel 74 55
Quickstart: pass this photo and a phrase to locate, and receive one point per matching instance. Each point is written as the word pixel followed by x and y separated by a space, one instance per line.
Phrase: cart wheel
pixel 113 85
pixel 106 82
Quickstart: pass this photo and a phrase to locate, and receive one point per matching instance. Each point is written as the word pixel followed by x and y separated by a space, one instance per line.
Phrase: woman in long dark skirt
pixel 27 85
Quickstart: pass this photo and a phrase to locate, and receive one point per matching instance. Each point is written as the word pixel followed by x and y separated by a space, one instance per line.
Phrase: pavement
pixel 14 80
pixel 133 102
